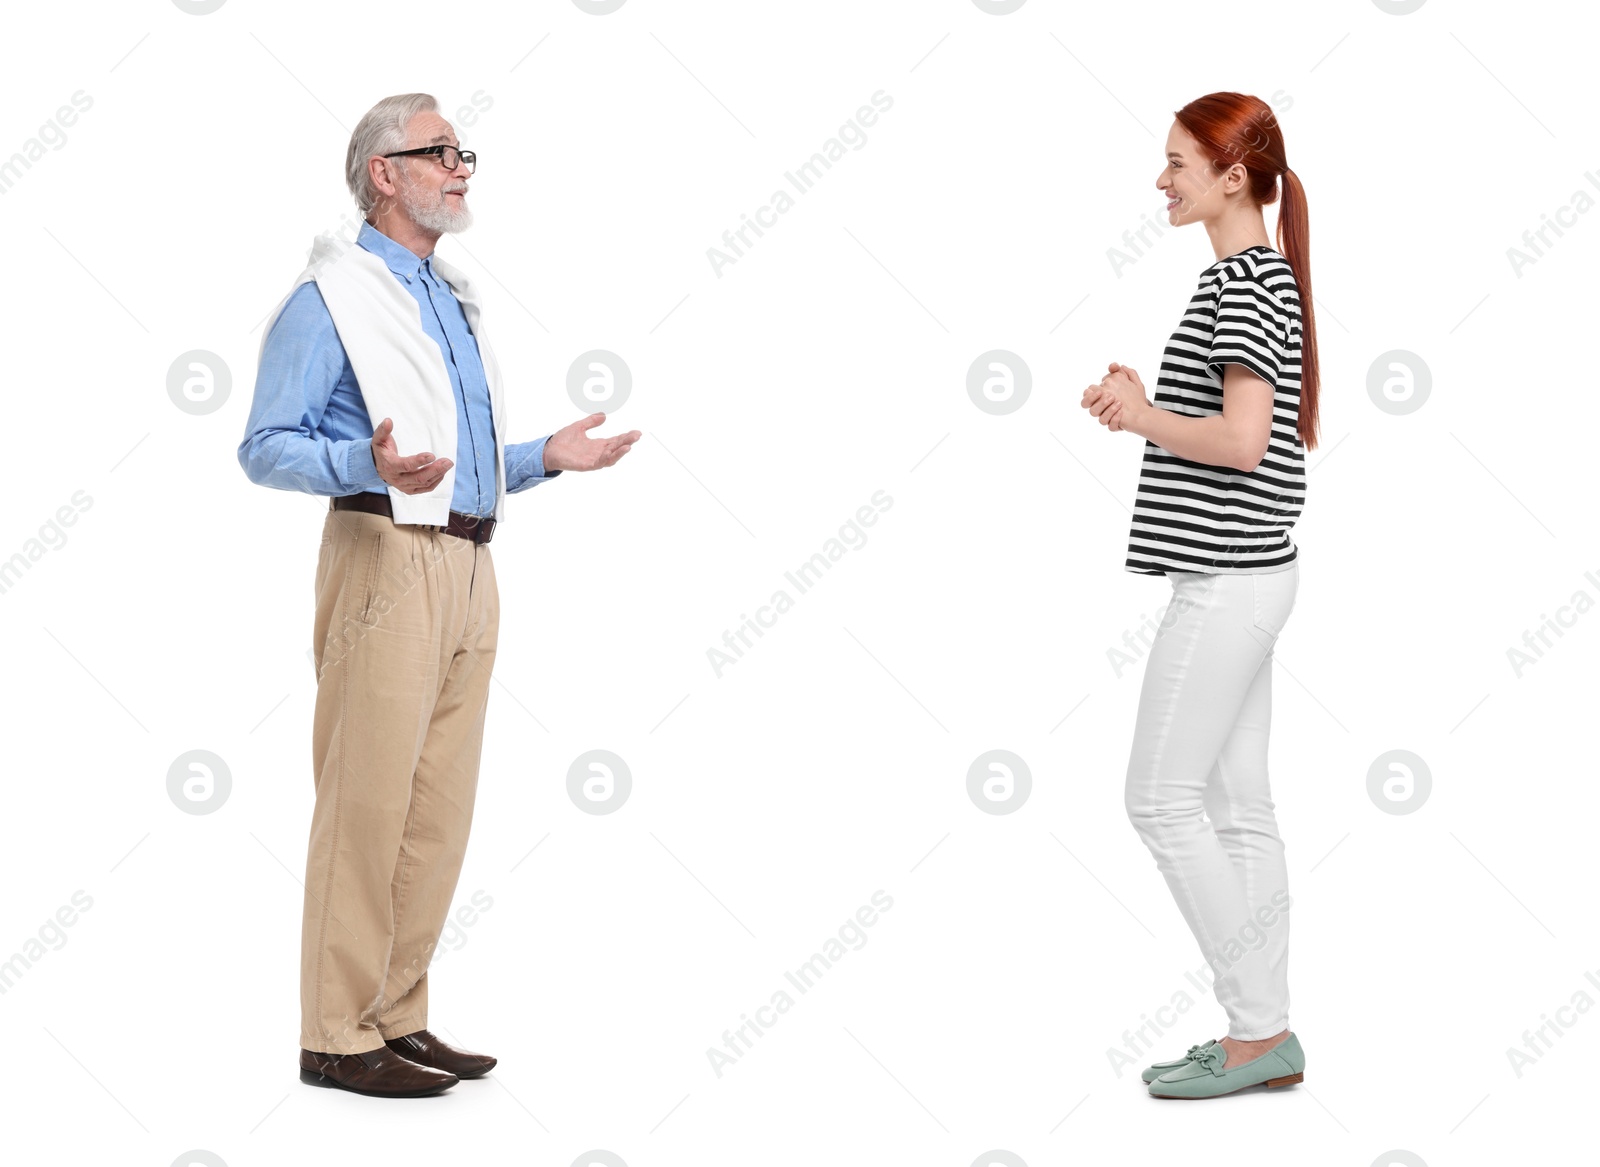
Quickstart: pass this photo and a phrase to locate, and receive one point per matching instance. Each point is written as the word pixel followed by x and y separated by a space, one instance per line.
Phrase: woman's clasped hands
pixel 1117 399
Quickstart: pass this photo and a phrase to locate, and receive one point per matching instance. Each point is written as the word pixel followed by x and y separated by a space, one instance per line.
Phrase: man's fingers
pixel 613 448
pixel 424 478
pixel 612 452
pixel 414 465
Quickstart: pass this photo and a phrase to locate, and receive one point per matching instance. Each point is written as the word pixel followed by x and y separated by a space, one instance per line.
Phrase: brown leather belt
pixel 462 526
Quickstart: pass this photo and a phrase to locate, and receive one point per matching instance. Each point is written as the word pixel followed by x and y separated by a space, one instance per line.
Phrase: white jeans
pixel 1199 753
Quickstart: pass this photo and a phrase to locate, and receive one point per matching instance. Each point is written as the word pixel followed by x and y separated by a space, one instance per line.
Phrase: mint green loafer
pixel 1206 1074
pixel 1158 1068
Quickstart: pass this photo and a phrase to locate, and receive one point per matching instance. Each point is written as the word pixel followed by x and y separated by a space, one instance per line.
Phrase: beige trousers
pixel 406 627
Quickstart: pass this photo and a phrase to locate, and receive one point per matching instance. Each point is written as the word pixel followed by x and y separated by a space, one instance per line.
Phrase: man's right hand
pixel 416 474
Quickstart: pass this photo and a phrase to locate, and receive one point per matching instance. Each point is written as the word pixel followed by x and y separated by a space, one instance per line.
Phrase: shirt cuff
pixel 359 471
pixel 525 465
pixel 537 460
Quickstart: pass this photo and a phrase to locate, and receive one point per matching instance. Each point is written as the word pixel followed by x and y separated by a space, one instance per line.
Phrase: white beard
pixel 432 211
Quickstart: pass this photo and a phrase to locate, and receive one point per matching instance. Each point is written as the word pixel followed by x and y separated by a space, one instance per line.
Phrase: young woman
pixel 1223 481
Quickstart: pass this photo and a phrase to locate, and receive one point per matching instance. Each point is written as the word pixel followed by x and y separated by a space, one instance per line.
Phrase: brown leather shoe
pixel 380 1072
pixel 425 1049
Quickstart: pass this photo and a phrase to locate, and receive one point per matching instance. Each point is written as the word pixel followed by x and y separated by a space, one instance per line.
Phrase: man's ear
pixel 381 177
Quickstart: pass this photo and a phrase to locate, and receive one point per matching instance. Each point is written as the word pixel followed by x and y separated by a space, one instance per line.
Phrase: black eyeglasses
pixel 449 155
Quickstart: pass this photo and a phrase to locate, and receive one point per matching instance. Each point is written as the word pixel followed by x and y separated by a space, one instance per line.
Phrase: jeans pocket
pixel 1272 596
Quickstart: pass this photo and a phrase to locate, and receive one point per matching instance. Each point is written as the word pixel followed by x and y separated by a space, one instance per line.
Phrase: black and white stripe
pixel 1188 516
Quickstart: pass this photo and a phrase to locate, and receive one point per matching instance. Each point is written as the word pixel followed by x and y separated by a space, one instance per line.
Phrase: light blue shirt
pixel 308 428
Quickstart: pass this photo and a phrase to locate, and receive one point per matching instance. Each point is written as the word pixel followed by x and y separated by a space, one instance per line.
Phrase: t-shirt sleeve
pixel 1252 330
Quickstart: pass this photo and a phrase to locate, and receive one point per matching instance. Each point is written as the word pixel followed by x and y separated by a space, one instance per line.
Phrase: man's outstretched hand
pixel 414 474
pixel 571 447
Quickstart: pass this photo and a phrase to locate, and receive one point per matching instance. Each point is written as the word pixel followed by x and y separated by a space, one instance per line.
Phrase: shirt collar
pixel 401 260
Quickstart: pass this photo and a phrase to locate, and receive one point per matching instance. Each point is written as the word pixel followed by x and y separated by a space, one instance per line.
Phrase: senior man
pixel 379 348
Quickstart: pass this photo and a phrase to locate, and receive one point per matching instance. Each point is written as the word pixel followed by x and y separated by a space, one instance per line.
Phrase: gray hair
pixel 381 130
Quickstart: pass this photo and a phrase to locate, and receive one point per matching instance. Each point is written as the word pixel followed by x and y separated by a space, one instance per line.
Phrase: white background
pixel 827 364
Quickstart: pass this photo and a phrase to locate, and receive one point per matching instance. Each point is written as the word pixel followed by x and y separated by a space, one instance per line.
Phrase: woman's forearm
pixel 1211 440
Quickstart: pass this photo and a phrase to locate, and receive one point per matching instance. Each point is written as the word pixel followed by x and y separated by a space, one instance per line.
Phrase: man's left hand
pixel 571 447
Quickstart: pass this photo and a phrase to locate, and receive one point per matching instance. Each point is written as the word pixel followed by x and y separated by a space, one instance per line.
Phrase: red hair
pixel 1237 127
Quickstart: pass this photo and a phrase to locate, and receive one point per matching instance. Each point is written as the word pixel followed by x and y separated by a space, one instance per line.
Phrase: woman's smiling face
pixel 1194 189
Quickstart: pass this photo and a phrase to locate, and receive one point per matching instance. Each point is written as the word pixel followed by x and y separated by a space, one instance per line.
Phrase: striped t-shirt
pixel 1190 516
